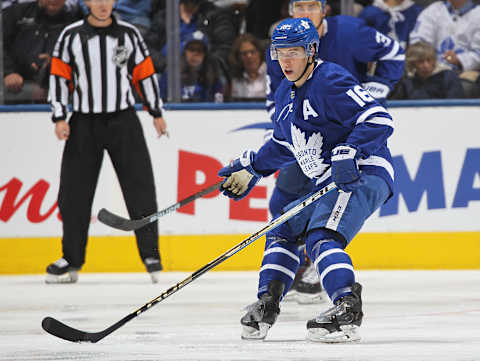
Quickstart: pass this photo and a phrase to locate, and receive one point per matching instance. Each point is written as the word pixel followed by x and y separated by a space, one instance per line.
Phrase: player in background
pixel 395 18
pixel 336 131
pixel 374 59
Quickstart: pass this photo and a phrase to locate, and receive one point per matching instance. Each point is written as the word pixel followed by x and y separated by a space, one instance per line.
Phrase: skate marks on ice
pixel 418 316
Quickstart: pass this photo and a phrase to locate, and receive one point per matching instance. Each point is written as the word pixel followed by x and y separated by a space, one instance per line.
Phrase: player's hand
pixel 161 126
pixel 62 130
pixel 240 176
pixel 13 82
pixel 345 172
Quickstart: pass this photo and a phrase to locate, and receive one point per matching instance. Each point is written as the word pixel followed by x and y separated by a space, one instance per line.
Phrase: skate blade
pixel 251 333
pixel 309 299
pixel 69 277
pixel 348 333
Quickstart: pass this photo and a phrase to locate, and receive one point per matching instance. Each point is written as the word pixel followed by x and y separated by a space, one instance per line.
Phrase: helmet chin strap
pixel 305 70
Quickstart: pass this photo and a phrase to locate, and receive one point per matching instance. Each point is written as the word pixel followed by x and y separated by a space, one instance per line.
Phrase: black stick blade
pixel 59 329
pixel 112 220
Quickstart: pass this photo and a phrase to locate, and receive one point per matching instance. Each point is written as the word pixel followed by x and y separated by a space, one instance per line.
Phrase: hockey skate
pixel 339 323
pixel 61 272
pixel 262 314
pixel 153 266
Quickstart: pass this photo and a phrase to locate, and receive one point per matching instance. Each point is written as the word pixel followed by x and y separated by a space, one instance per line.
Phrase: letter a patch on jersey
pixel 308 110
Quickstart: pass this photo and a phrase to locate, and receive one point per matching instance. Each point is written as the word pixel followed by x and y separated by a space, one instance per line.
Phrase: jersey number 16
pixel 359 95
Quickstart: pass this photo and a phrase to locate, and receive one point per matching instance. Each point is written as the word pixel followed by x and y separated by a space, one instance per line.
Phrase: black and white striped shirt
pixel 99 66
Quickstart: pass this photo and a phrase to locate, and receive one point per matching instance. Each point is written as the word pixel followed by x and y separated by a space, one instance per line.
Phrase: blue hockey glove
pixel 345 172
pixel 240 176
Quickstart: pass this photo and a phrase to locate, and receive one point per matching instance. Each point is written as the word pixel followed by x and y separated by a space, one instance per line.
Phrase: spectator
pixel 248 69
pixel 453 28
pixel 199 76
pixel 30 31
pixel 195 15
pixel 395 18
pixel 425 79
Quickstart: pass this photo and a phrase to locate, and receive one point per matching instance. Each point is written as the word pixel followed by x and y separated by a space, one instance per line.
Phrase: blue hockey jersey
pixel 348 42
pixel 330 108
pixel 396 22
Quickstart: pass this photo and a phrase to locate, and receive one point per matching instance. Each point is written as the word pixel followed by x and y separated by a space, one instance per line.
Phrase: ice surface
pixel 409 315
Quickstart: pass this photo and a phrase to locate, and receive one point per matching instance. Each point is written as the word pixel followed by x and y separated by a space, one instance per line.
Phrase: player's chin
pixel 289 74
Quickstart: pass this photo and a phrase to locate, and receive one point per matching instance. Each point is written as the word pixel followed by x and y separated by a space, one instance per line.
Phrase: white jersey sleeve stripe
pixel 381 121
pixel 379 162
pixel 369 112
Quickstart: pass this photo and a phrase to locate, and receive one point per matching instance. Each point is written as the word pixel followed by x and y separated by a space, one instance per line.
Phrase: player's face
pixel 309 9
pixel 292 61
pixel 101 9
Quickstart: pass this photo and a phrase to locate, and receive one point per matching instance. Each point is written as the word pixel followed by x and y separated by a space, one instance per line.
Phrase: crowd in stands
pixel 224 42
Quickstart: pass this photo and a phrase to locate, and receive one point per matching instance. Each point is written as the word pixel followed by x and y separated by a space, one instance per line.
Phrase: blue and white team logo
pixel 308 152
pixel 120 56
pixel 285 27
pixel 305 24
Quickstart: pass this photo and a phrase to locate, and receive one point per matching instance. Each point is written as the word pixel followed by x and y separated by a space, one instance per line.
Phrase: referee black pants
pixel 121 135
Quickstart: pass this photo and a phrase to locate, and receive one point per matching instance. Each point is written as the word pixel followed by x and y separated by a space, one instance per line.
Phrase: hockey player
pixel 336 131
pixel 396 18
pixel 348 42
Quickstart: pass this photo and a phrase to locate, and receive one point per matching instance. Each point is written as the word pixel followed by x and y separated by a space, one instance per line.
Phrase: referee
pixel 96 61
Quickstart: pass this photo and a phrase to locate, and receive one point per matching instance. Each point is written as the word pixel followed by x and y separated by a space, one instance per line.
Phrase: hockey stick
pixel 115 221
pixel 59 329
